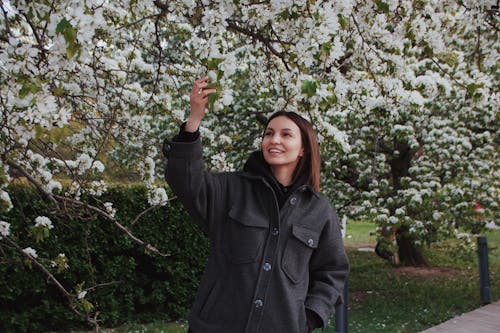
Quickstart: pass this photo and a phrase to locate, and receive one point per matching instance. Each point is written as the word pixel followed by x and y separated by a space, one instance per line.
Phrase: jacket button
pixel 310 242
pixel 258 303
pixel 275 232
pixel 293 200
pixel 267 267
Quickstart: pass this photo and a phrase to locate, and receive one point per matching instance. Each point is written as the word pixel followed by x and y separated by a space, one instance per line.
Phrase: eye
pixel 268 133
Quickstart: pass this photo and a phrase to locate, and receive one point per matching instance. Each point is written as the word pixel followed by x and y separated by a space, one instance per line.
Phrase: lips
pixel 275 151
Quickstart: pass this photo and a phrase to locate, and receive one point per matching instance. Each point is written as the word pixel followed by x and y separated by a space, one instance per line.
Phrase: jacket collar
pixel 256 167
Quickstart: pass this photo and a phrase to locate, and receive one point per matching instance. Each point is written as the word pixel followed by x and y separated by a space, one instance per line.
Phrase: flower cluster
pixel 43 222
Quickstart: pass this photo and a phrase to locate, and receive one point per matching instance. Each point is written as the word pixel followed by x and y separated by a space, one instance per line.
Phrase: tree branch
pixel 144 212
pixel 46 195
pixel 70 298
pixel 147 246
pixel 7 27
pixel 259 37
pixel 448 74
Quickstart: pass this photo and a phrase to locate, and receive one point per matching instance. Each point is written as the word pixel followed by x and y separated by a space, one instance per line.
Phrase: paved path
pixel 486 319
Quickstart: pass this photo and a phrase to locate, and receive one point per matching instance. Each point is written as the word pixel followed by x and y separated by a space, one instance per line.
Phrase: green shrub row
pixel 133 284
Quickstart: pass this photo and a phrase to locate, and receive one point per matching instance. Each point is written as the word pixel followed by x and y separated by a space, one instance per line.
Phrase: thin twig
pixel 7 27
pixel 257 36
pixel 47 195
pixel 101 212
pixel 144 212
pixel 70 298
pixel 449 74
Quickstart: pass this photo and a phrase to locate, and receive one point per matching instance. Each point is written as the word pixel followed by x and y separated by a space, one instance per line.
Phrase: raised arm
pixel 198 100
pixel 198 190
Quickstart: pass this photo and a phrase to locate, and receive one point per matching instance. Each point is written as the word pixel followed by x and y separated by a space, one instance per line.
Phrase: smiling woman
pixel 277 262
pixel 287 139
pixel 282 147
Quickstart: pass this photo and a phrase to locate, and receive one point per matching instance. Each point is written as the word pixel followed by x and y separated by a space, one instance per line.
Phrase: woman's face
pixel 282 143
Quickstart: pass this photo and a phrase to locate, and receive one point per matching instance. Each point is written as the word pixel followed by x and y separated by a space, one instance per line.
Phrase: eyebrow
pixel 283 129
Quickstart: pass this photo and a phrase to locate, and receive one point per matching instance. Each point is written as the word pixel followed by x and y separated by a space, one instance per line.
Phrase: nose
pixel 275 138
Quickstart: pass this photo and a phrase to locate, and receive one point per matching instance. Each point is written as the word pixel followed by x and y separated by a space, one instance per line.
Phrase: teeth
pixel 274 151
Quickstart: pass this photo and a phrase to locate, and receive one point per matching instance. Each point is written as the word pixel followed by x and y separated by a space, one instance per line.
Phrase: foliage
pixel 382 300
pixel 120 280
pixel 403 94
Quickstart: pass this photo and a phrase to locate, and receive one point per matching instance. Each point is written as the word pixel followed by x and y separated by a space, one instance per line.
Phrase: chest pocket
pixel 299 247
pixel 244 235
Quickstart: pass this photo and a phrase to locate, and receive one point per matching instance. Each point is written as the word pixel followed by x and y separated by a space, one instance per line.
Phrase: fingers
pixel 200 88
pixel 200 84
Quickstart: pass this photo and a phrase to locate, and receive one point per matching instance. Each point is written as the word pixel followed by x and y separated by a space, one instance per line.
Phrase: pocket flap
pixel 310 238
pixel 248 218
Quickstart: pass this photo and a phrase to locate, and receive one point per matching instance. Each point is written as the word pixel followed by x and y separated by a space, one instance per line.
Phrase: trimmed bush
pixel 133 285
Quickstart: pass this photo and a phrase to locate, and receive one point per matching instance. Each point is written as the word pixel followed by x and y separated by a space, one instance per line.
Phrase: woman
pixel 277 262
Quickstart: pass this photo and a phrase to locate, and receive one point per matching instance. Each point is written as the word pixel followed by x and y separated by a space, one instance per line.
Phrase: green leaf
pixel 212 98
pixel 428 51
pixel 38 131
pixel 62 26
pixel 213 64
pixel 309 88
pixel 326 47
pixel 87 306
pixel 71 50
pixel 29 87
pixel 450 58
pixel 343 22
pixel 383 6
pixel 471 89
pixel 65 28
pixel 58 91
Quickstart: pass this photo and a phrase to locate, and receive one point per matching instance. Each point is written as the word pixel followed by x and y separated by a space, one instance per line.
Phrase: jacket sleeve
pixel 198 190
pixel 328 270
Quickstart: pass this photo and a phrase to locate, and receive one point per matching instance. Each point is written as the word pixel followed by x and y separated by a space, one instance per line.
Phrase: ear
pixel 301 153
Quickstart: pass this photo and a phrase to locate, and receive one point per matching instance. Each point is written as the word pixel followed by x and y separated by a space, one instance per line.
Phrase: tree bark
pixel 409 254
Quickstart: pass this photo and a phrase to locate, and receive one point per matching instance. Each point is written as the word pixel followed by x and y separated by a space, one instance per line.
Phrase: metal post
pixel 341 313
pixel 484 272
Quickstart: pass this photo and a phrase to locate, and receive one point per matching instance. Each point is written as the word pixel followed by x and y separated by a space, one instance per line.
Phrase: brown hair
pixel 310 163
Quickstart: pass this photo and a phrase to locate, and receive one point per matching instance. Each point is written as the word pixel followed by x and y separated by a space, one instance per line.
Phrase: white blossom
pixel 157 196
pixel 43 221
pixel 110 209
pixel 30 252
pixel 4 229
pixel 82 294
pixel 4 196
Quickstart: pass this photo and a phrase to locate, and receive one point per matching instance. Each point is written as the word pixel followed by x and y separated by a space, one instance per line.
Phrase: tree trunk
pixel 409 254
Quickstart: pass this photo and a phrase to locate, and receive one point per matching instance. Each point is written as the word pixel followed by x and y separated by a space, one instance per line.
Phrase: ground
pixel 417 271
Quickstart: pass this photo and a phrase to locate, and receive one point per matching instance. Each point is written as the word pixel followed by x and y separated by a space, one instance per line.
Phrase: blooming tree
pixel 403 94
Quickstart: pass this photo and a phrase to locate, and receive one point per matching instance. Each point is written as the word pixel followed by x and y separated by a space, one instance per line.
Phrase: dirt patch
pixel 362 245
pixel 358 297
pixel 428 272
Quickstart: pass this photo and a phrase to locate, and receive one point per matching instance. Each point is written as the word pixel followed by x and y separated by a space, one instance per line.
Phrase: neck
pixel 283 175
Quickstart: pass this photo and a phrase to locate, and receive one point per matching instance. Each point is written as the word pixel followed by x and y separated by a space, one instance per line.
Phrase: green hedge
pixel 144 286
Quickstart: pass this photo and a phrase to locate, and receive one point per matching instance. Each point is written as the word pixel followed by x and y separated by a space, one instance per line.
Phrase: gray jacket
pixel 266 265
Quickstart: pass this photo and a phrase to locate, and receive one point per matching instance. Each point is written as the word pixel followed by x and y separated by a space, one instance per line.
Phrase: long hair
pixel 310 162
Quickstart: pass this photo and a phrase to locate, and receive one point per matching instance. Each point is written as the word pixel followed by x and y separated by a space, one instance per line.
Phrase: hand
pixel 198 100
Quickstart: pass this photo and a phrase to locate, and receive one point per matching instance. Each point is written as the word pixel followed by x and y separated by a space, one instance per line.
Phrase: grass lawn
pixel 396 300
